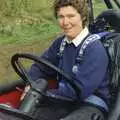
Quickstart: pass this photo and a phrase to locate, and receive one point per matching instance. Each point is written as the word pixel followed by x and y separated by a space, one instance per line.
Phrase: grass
pixel 27 26
pixel 24 38
pixel 25 21
pixel 22 34
pixel 98 7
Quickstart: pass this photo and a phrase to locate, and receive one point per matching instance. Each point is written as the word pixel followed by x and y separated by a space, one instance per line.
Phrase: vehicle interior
pixel 107 20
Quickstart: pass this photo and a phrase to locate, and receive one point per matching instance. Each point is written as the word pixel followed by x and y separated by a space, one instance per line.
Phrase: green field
pixel 26 21
pixel 26 26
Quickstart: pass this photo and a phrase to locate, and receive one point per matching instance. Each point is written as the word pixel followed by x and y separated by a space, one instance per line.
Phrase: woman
pixel 91 74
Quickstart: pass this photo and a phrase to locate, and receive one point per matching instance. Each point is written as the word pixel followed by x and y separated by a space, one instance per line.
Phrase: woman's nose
pixel 66 21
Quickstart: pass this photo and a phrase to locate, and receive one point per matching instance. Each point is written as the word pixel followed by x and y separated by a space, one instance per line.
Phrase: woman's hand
pixel 27 88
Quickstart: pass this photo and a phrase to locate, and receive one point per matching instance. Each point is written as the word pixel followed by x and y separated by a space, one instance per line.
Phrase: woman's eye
pixel 60 17
pixel 71 16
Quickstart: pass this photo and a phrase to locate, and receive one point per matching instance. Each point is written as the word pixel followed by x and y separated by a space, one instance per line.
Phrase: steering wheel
pixel 20 70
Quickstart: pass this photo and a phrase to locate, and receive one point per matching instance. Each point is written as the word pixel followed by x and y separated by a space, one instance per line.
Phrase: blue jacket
pixel 92 74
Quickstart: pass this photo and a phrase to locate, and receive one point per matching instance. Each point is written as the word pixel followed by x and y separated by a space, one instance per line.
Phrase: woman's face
pixel 70 21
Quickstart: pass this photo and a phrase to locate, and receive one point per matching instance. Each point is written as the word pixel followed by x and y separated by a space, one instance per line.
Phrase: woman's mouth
pixel 67 29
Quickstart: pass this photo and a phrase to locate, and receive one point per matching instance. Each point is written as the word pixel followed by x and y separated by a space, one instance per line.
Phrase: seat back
pixel 110 21
pixel 114 69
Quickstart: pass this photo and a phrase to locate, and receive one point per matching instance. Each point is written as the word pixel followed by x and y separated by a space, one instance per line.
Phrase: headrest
pixel 112 17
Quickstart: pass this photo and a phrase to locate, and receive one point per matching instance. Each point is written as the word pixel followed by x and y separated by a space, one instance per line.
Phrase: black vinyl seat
pixel 109 20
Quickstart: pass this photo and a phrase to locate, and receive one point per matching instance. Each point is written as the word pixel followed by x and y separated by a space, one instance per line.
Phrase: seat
pixel 109 20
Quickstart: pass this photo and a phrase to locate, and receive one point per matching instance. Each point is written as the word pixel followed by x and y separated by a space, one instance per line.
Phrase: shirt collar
pixel 78 39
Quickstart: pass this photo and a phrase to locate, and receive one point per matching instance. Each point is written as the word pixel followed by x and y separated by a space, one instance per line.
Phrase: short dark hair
pixel 80 5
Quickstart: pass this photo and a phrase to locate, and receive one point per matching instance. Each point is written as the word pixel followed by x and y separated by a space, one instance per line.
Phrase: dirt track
pixel 6 71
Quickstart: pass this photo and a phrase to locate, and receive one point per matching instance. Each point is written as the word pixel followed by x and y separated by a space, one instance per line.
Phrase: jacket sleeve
pixel 92 71
pixel 41 71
